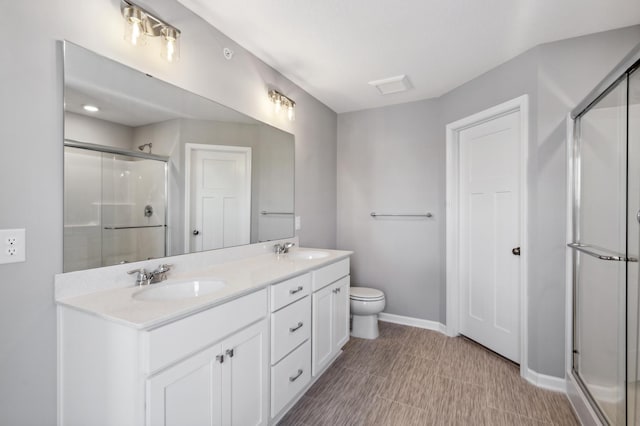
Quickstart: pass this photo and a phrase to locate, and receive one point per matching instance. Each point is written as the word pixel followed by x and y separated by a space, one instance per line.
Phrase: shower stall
pixel 115 206
pixel 605 236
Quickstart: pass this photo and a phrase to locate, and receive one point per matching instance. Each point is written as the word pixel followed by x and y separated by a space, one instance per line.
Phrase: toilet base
pixel 365 326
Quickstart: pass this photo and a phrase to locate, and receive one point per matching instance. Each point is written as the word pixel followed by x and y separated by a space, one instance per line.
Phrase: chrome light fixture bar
pixel 140 24
pixel 281 102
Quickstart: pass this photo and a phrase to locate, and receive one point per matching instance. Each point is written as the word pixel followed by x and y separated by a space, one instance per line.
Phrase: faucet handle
pixel 165 267
pixel 140 271
pixel 142 277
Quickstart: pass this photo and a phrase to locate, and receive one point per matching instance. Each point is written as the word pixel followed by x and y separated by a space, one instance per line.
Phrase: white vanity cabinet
pixel 242 356
pixel 208 368
pixel 221 385
pixel 290 340
pixel 330 306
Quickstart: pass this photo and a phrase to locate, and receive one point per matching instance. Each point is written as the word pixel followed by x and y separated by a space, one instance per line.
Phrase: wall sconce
pixel 281 102
pixel 140 24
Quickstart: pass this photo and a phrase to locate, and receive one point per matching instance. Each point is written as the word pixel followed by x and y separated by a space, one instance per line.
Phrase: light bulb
pixel 134 26
pixel 278 105
pixel 290 113
pixel 170 47
pixel 136 31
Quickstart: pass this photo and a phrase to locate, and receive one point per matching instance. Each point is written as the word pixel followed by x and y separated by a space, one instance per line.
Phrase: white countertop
pixel 241 277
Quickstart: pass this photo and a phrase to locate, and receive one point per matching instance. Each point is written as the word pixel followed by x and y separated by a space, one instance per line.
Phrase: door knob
pixel 515 251
pixel 196 232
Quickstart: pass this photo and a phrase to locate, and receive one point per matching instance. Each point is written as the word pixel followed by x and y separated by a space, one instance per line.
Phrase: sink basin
pixel 308 254
pixel 179 290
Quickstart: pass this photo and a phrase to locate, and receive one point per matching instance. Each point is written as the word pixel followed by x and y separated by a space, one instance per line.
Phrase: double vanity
pixel 232 337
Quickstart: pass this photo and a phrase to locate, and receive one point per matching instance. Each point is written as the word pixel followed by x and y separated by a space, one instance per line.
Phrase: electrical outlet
pixel 12 245
pixel 297 223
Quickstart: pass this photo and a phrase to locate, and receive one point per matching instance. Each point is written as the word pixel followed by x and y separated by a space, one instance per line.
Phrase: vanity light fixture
pixel 140 24
pixel 280 101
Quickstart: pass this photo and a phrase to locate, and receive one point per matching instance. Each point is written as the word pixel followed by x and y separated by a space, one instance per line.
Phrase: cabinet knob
pixel 297 290
pixel 336 290
pixel 220 358
pixel 294 378
pixel 229 353
pixel 296 328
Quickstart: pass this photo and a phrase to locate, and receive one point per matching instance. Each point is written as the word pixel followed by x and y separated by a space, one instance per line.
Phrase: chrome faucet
pixel 144 277
pixel 283 248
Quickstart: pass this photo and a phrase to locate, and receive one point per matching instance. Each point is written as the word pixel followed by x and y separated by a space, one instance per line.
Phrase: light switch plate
pixel 298 223
pixel 12 245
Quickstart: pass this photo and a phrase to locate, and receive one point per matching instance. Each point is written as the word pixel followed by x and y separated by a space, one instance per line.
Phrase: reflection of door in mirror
pixel 219 193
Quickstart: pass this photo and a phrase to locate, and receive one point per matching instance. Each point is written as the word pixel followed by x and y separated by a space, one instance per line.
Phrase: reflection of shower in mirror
pixel 141 147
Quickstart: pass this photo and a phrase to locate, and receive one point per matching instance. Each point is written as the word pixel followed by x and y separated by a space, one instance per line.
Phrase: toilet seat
pixel 365 294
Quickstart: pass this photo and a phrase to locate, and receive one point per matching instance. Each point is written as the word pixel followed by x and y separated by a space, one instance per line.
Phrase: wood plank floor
pixel 410 376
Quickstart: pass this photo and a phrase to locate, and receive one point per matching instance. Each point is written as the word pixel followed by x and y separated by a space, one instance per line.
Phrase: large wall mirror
pixel 151 170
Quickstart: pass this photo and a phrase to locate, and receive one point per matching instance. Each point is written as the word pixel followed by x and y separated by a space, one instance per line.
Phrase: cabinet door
pixel 245 374
pixel 188 393
pixel 323 328
pixel 341 313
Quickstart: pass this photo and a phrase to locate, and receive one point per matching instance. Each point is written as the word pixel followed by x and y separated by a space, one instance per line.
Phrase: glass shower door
pixel 600 240
pixel 133 209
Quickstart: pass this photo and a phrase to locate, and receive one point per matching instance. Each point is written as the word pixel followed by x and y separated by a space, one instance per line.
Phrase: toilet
pixel 366 303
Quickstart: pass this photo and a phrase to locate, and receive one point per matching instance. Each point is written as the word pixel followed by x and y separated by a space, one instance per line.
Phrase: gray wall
pixel 31 162
pixel 392 160
pixel 556 77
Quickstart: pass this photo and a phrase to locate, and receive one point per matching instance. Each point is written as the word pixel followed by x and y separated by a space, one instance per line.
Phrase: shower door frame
pixel 582 401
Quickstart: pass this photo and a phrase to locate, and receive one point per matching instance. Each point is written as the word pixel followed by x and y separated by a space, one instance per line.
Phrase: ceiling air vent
pixel 389 85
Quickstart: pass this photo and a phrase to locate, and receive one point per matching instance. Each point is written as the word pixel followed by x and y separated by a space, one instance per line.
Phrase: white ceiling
pixel 333 48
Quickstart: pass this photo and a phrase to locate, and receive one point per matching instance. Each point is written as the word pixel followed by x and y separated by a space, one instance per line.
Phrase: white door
pixel 245 390
pixel 489 232
pixel 341 306
pixel 322 328
pixel 188 393
pixel 220 193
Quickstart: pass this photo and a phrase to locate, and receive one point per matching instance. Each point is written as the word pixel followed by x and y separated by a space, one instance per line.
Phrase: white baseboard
pixel 557 384
pixel 413 322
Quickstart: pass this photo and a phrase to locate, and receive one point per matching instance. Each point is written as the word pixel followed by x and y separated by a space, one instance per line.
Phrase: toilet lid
pixel 365 293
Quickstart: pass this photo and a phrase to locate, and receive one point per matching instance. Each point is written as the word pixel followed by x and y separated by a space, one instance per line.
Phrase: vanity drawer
pixel 174 341
pixel 289 291
pixel 289 377
pixel 290 327
pixel 324 276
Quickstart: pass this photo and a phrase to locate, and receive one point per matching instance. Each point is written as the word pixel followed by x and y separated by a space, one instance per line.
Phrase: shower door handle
pixel 515 251
pixel 601 253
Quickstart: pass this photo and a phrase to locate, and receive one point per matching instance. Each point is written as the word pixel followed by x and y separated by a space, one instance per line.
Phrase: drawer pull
pixel 297 290
pixel 294 378
pixel 296 328
pixel 336 290
pixel 229 353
